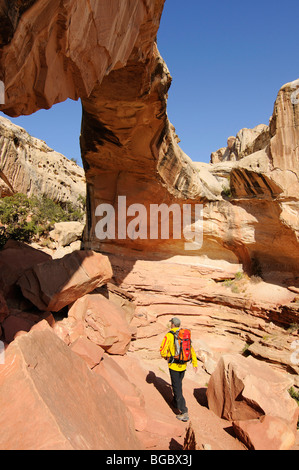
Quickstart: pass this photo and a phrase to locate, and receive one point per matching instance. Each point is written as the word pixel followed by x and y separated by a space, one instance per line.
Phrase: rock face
pixel 71 68
pixel 284 128
pixel 72 410
pixel 29 166
pixel 130 149
pixel 246 142
pixel 10 14
pixel 263 182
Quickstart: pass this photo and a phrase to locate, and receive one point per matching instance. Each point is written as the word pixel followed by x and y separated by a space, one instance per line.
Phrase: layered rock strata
pixel 61 50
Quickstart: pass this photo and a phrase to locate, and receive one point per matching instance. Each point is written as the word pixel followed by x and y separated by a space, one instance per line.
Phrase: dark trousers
pixel 177 388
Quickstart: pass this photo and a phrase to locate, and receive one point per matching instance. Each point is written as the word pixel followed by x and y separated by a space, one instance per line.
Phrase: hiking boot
pixel 183 417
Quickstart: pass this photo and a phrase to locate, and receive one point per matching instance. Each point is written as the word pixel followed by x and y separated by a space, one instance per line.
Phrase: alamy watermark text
pixel 157 222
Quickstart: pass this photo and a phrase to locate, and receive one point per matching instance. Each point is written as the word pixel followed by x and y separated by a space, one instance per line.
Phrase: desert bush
pixel 25 219
pixel 295 394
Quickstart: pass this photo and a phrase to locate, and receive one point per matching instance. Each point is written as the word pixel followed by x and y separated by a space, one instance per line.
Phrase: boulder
pixel 89 351
pixel 120 297
pixel 266 433
pixel 55 284
pixel 244 388
pixel 69 330
pixel 104 322
pixel 66 250
pixel 65 233
pixel 125 389
pixel 15 259
pixel 51 400
pixel 205 355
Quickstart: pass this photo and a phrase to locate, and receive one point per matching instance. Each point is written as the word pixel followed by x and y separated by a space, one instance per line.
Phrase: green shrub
pixel 226 192
pixel 24 218
pixel 239 275
pixel 295 394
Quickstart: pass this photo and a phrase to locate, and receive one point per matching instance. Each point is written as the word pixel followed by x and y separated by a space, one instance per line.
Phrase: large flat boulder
pixel 51 400
pixel 55 284
pixel 266 433
pixel 131 395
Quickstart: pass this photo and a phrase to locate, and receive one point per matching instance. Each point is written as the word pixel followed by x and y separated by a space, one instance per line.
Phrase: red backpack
pixel 182 342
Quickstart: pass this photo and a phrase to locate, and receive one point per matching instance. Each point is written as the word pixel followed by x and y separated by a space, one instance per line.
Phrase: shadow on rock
pixel 200 394
pixel 163 387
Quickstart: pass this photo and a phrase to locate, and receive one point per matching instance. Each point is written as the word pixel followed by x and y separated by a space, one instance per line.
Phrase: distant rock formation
pixel 273 148
pixel 259 170
pixel 29 166
pixel 246 142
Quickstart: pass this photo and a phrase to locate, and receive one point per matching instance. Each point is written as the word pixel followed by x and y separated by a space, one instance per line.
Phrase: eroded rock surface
pixel 130 149
pixel 55 284
pixel 29 166
pixel 73 409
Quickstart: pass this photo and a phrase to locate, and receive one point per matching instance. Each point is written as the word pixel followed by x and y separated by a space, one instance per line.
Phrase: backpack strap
pixel 175 335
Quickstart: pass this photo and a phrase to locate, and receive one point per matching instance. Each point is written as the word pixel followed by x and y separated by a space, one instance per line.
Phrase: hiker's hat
pixel 175 321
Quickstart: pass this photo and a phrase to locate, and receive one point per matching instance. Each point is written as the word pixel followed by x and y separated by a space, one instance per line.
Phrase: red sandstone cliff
pixel 129 148
pixel 105 53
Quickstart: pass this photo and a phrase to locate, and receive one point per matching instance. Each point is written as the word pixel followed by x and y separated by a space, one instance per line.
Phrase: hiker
pixel 177 366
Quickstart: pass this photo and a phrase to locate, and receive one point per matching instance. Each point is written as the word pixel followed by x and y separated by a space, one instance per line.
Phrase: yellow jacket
pixel 167 350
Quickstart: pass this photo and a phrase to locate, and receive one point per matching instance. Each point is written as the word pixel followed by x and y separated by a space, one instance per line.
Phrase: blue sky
pixel 228 59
